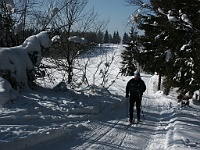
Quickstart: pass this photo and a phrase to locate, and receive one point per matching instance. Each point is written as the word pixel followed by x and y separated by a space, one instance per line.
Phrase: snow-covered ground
pixel 96 118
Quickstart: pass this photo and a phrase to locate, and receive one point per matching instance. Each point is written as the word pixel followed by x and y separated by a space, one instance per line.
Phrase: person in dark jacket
pixel 135 87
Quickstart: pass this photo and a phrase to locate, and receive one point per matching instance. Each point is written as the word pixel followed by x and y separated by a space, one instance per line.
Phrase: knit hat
pixel 137 73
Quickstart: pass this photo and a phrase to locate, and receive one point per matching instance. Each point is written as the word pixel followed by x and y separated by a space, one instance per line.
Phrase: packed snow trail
pixel 109 133
pixel 109 130
pixel 112 133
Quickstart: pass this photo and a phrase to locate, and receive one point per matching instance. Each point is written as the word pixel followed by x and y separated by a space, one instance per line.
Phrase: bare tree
pixel 97 69
pixel 71 17
pixel 63 18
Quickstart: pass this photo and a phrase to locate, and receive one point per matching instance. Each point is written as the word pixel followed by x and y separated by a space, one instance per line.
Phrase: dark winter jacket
pixel 135 87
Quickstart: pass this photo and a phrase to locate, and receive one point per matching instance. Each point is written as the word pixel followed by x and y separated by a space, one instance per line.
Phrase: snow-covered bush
pixel 19 60
pixel 7 93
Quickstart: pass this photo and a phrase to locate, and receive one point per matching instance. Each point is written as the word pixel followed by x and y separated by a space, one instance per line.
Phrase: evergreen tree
pixel 110 38
pixel 106 37
pixel 125 39
pixel 100 37
pixel 128 61
pixel 6 25
pixel 183 31
pixel 116 38
pixel 171 43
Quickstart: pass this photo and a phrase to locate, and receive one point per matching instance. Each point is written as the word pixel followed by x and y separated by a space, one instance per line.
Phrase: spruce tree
pixel 152 56
pixel 6 26
pixel 172 29
pixel 114 40
pixel 118 38
pixel 128 62
pixel 100 37
pixel 183 31
pixel 106 37
pixel 125 39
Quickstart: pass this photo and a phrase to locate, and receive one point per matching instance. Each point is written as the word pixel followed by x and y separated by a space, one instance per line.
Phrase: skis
pixel 134 123
pixel 128 125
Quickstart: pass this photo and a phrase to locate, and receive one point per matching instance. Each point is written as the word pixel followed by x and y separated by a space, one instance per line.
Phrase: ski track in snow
pixel 111 132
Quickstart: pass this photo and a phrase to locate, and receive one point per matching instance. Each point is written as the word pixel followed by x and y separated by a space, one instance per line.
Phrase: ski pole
pixel 126 107
pixel 142 111
pixel 141 107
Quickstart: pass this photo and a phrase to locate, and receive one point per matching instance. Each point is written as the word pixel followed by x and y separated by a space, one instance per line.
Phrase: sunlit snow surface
pixel 96 118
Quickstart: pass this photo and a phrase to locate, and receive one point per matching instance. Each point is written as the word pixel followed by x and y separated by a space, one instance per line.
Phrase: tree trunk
pixel 159 82
pixel 70 73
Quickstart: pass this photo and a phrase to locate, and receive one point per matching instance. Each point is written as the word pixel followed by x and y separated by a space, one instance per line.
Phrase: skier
pixel 135 87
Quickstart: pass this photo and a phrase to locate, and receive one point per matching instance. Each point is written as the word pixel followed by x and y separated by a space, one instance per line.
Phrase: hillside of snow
pixel 94 118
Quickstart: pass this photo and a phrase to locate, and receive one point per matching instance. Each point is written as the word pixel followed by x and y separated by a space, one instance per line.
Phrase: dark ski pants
pixel 134 99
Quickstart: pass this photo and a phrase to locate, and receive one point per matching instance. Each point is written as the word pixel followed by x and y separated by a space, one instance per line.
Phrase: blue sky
pixel 116 11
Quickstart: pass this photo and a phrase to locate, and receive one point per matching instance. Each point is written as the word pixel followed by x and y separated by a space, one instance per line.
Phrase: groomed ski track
pixel 109 130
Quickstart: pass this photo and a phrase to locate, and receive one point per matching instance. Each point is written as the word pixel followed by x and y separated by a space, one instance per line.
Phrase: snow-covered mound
pixel 16 61
pixel 7 93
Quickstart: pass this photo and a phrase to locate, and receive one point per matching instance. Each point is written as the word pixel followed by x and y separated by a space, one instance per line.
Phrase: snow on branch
pixel 10 5
pixel 186 46
pixel 161 11
pixel 56 39
pixel 77 39
pixel 176 18
pixel 171 16
pixel 136 18
pixel 185 18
